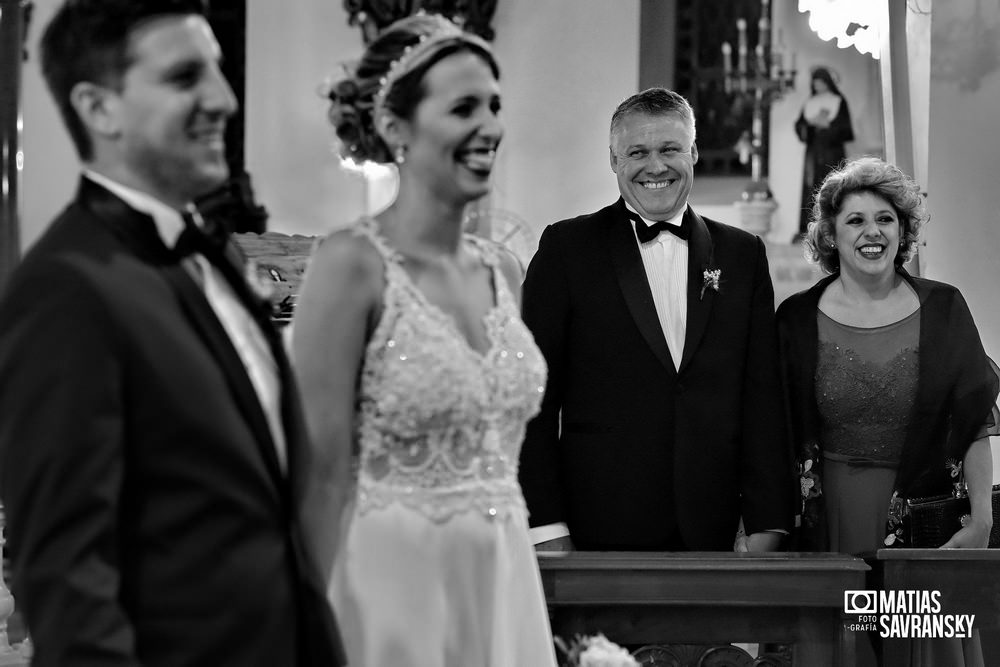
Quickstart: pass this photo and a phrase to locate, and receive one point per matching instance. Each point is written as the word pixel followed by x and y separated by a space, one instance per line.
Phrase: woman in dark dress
pixel 888 385
pixel 824 126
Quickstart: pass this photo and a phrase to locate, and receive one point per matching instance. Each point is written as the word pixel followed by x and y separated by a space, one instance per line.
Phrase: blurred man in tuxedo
pixel 151 454
pixel 662 421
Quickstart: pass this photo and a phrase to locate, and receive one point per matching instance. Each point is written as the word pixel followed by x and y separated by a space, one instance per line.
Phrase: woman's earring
pixel 400 154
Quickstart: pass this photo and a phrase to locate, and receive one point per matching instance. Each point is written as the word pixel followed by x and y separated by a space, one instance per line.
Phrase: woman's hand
pixel 978 468
pixel 974 535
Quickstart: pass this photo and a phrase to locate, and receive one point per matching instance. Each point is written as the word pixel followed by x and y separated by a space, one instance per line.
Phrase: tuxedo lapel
pixel 206 323
pixel 137 232
pixel 699 300
pixel 634 284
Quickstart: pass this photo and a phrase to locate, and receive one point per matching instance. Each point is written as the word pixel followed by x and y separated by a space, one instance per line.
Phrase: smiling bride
pixel 419 375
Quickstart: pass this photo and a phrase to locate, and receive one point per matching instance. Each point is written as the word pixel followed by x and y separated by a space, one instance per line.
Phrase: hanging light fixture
pixel 856 23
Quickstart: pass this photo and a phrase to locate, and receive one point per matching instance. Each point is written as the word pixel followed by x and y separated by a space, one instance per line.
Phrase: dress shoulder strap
pixel 367 227
pixel 490 251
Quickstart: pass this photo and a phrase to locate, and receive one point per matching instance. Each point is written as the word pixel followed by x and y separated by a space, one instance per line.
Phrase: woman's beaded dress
pixel 866 384
pixel 866 389
pixel 436 566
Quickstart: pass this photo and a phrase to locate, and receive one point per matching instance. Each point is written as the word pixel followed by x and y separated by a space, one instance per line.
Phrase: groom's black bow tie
pixel 209 221
pixel 205 236
pixel 211 218
pixel 647 233
pixel 232 207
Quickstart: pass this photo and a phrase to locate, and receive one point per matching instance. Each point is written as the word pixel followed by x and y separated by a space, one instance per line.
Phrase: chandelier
pixel 856 23
pixel 372 16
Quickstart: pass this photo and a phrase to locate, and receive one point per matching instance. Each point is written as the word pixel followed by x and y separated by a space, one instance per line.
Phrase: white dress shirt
pixel 244 332
pixel 665 259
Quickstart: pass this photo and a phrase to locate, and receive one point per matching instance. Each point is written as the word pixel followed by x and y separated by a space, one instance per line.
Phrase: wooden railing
pixel 968 581
pixel 708 599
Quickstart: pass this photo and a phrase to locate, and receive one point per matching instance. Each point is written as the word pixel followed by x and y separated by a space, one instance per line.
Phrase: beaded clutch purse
pixel 934 519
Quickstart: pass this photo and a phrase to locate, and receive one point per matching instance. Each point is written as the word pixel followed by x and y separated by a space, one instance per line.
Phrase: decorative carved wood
pixel 280 262
pixel 372 16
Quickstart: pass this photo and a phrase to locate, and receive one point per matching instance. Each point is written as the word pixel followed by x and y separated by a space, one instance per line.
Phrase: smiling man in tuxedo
pixel 661 425
pixel 151 445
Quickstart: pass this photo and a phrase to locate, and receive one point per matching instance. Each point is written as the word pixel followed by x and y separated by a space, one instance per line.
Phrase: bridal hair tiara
pixel 444 34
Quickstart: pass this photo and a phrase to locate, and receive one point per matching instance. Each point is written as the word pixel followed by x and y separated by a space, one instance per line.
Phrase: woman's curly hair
pixel 866 174
pixel 352 118
pixel 352 99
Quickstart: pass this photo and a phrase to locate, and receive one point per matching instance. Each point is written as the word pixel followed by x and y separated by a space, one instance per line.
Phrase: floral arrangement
pixel 810 520
pixel 809 483
pixel 594 651
pixel 897 527
pixel 710 280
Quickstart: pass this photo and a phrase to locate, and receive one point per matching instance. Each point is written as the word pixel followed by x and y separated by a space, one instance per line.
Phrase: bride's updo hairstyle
pixel 389 78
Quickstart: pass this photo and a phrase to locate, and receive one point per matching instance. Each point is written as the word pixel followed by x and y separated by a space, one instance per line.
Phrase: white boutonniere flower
pixel 710 279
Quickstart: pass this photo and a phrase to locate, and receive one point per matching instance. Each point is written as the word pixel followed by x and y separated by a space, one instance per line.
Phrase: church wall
pixel 293 48
pixel 565 69
pixel 963 236
pixel 51 167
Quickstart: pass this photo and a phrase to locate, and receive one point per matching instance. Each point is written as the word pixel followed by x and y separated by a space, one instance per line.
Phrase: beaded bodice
pixel 440 424
pixel 866 386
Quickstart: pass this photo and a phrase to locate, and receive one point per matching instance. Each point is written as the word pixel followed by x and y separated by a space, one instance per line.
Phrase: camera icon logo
pixel 860 602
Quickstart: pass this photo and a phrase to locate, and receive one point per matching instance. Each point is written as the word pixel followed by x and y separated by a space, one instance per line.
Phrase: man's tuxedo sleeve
pixel 546 311
pixel 61 462
pixel 766 470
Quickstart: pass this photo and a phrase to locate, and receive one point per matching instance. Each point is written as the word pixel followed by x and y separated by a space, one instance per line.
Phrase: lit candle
pixel 778 52
pixel 727 65
pixel 741 64
pixel 761 65
pixel 764 25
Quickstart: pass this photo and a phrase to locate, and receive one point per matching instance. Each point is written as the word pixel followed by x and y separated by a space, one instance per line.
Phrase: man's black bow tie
pixel 647 233
pixel 208 222
pixel 211 218
pixel 207 237
pixel 233 207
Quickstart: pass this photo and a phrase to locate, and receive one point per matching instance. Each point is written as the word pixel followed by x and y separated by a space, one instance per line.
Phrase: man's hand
pixel 559 544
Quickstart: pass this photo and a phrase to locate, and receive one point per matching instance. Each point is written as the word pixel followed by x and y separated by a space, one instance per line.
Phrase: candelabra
pixel 760 80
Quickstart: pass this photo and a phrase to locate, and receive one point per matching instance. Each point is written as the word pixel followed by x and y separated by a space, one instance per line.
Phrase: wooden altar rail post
pixel 707 598
pixel 968 579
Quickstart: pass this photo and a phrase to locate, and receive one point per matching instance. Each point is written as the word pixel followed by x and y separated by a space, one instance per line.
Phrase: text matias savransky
pixel 904 614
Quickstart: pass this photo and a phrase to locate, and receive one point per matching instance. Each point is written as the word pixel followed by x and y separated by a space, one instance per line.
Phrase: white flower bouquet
pixel 594 651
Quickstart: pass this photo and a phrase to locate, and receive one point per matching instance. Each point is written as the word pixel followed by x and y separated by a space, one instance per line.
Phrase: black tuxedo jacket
pixel 148 519
pixel 628 451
